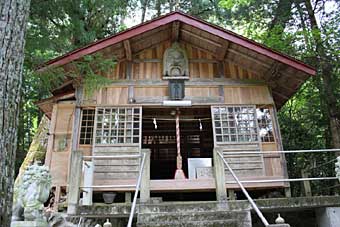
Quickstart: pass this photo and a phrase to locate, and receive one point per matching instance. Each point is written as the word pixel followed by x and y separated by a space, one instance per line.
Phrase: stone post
pixel 145 182
pixel 219 173
pixel 74 182
pixel 328 216
pixel 306 184
pixel 88 182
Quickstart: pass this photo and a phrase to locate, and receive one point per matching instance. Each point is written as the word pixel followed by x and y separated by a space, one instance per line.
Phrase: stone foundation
pixel 29 224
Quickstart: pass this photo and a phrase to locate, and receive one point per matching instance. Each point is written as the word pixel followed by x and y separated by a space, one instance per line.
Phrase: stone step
pixel 214 223
pixel 188 216
pixel 181 207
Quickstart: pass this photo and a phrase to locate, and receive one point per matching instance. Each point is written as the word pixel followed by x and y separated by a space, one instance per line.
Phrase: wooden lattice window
pixel 119 125
pixel 86 128
pixel 264 120
pixel 235 124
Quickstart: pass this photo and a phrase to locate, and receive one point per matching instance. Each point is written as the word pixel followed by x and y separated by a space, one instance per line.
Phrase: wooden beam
pixel 191 60
pixel 149 60
pixel 175 31
pixel 199 48
pixel 273 73
pixel 194 99
pixel 221 69
pixel 276 73
pixel 201 38
pixel 128 70
pixel 250 66
pixel 50 141
pixel 192 82
pixel 222 52
pixel 149 45
pixel 249 58
pixel 127 48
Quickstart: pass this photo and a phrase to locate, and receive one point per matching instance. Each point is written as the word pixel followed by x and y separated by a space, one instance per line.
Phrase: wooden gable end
pixel 213 53
pixel 148 65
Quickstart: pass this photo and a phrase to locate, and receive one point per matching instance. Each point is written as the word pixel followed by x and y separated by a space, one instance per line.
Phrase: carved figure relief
pixel 175 62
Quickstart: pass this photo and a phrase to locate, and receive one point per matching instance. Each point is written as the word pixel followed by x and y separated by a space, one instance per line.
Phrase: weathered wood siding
pixel 58 154
pixel 247 95
pixel 244 165
pixel 115 169
pixel 119 95
pixel 273 162
pixel 148 65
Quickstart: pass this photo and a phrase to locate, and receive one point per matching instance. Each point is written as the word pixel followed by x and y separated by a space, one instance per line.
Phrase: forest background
pixel 307 30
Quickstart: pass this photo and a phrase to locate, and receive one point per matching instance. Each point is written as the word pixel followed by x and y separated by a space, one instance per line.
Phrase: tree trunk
pixel 145 4
pixel 13 19
pixel 282 15
pixel 158 7
pixel 325 70
pixel 171 5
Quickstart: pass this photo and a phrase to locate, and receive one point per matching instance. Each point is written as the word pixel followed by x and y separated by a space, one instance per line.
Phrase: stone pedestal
pixel 328 217
pixel 29 224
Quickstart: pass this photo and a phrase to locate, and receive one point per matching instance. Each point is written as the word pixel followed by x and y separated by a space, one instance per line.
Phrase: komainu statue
pixel 31 193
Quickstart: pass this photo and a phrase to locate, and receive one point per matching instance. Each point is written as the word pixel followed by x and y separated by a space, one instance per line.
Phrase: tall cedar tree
pixel 13 17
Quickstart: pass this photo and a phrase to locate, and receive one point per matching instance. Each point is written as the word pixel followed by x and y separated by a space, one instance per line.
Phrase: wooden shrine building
pixel 182 90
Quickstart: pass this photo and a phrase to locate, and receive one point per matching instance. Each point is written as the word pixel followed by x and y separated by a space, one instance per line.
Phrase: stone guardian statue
pixel 30 195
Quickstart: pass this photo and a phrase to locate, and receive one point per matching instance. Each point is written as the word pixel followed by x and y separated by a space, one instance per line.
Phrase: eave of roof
pixel 184 18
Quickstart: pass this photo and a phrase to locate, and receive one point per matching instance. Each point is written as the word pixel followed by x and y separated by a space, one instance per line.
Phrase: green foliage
pixel 54 28
pixel 304 120
pixel 90 70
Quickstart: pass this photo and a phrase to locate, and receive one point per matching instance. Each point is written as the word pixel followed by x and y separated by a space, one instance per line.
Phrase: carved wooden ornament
pixel 175 62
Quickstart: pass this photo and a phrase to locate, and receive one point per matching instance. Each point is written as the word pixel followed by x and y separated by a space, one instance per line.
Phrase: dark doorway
pixel 196 141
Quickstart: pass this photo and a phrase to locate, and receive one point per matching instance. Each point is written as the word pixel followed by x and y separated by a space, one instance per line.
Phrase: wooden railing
pixel 75 176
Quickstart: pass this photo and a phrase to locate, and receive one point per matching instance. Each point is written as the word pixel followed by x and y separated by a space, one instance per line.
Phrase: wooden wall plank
pixel 247 95
pixel 112 95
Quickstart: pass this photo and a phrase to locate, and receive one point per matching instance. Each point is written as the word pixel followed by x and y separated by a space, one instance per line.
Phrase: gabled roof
pixel 192 21
pixel 283 74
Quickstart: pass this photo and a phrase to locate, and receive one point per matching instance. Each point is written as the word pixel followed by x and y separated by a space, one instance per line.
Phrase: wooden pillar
pixel 56 198
pixel 219 172
pixel 277 131
pixel 145 183
pixel 76 118
pixel 74 182
pixel 51 132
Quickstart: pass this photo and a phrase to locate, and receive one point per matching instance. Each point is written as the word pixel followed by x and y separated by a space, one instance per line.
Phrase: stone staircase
pixel 195 218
